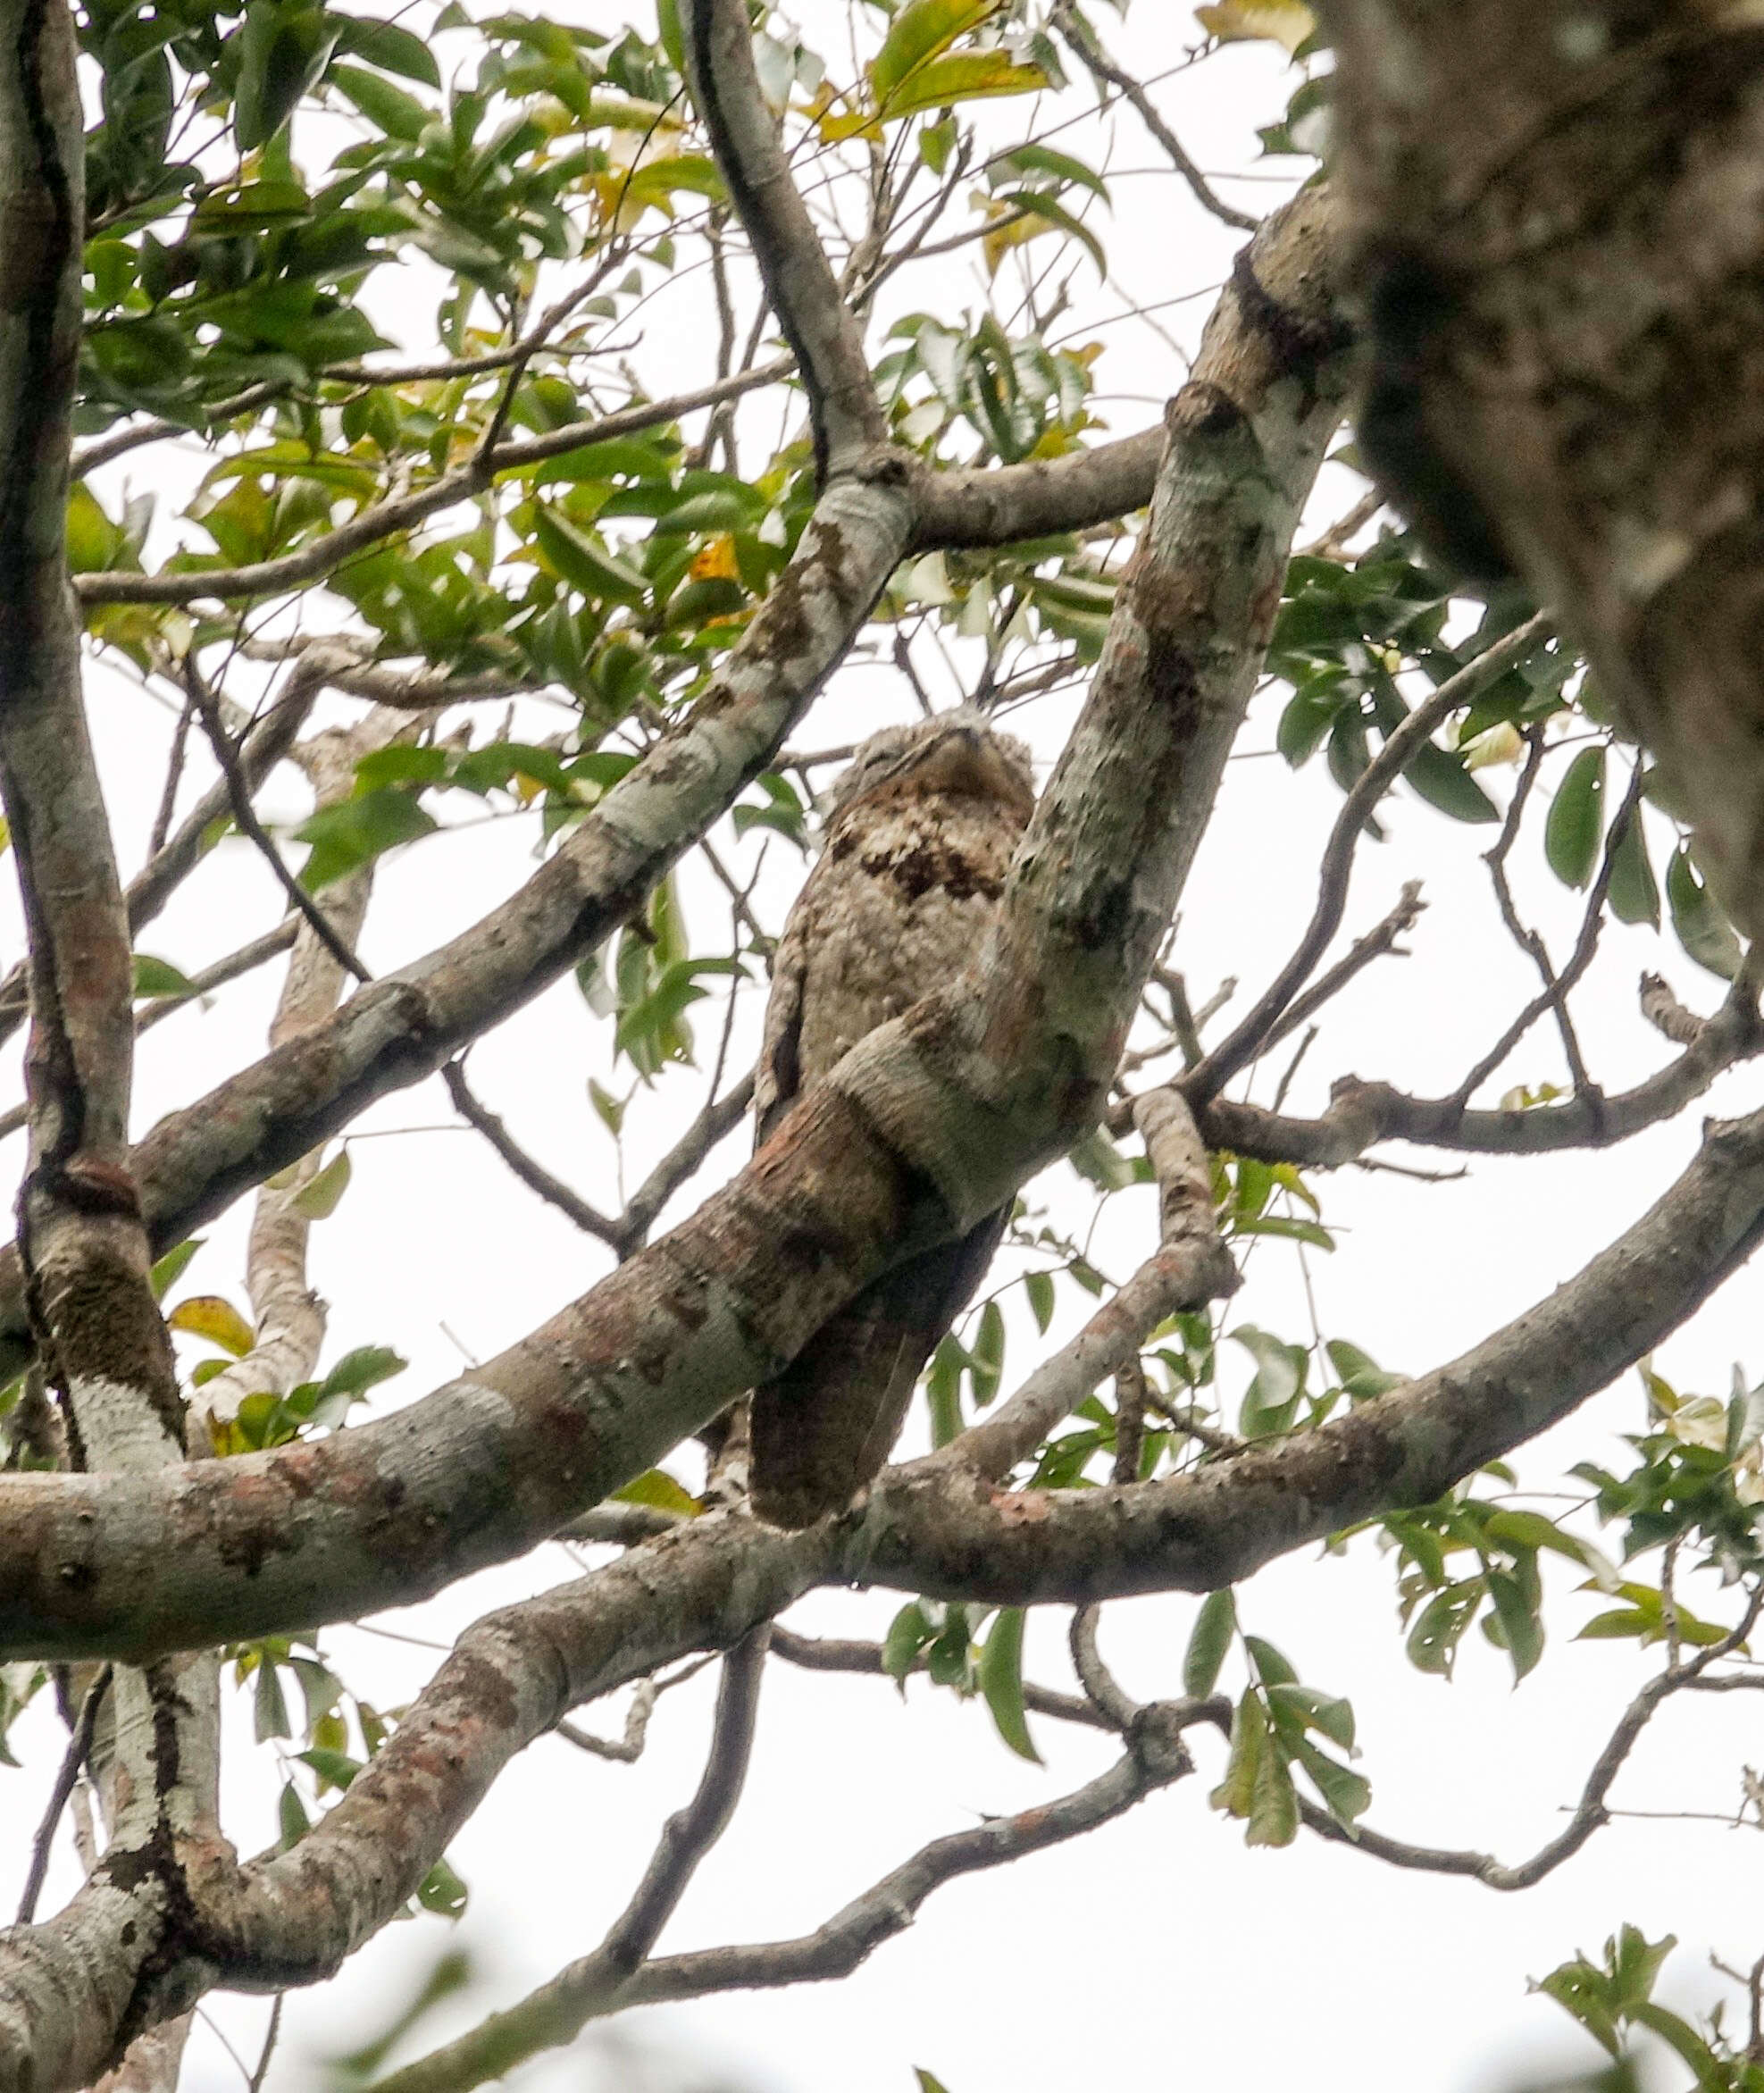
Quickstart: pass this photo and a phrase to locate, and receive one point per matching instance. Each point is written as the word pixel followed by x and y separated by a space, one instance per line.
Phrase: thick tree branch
pixel 846 414
pixel 709 1581
pixel 557 2011
pixel 1553 209
pixel 924 1532
pixel 924 1128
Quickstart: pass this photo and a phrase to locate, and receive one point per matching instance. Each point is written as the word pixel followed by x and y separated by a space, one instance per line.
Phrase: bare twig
pixel 629 1748
pixel 1380 939
pixel 1204 1084
pixel 1590 1814
pixel 718 1118
pixel 1190 1266
pixel 78 1746
pixel 556 2011
pixel 238 792
pixel 269 2048
pixel 533 1174
pixel 1081 39
pixel 837 1654
pixel 1101 1687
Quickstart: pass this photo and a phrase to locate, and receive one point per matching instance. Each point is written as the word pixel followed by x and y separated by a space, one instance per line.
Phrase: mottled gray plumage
pixel 919 836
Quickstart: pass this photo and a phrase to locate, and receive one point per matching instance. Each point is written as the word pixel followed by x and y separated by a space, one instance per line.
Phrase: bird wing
pixel 823 1426
pixel 778 1077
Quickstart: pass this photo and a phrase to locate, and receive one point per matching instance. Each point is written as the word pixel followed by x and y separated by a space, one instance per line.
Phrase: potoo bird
pixel 918 839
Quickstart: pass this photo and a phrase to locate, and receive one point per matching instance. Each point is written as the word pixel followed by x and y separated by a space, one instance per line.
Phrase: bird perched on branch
pixel 919 836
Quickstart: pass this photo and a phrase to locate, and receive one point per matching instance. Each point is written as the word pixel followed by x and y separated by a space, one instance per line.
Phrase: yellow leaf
pixel 716 562
pixel 656 1487
pixel 206 1315
pixel 1285 22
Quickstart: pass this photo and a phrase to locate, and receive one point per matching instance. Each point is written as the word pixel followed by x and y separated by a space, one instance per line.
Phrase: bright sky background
pixel 1158 1952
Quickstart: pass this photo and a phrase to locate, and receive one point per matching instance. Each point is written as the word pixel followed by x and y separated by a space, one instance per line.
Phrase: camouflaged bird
pixel 919 836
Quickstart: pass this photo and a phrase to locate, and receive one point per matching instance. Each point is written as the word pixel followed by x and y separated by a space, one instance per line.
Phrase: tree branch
pixel 1203 1084
pixel 924 1127
pixel 400 513
pixel 557 2011
pixel 847 416
pixel 1081 39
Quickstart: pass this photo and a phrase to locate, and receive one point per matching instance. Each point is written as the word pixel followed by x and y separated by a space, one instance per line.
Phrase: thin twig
pixel 174 771
pixel 1380 939
pixel 269 2050
pixel 533 1174
pixel 78 1749
pixel 839 1653
pixel 245 813
pixel 1096 62
pixel 1203 1084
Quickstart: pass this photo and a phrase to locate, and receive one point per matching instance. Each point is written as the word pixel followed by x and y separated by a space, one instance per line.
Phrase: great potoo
pixel 917 842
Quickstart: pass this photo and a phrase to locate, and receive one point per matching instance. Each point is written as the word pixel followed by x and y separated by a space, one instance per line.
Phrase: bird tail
pixel 823 1427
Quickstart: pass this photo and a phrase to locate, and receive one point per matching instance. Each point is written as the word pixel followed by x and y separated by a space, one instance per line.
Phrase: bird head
pixel 952 754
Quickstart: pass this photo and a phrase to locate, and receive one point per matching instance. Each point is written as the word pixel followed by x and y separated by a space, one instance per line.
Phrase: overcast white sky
pixel 1158 1951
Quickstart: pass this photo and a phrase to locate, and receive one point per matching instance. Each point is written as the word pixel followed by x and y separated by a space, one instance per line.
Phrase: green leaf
pixel 1001 1682
pixel 1274 1805
pixel 354 832
pixel 207 1315
pixel 317 1199
pixel 1308 1708
pixel 389 47
pixel 986 1354
pixel 1346 1795
pixel 1701 925
pixel 158 977
pixel 291 1816
pixel 1443 781
pixel 1272 1395
pixel 1036 159
pixel 361 1369
pixel 1208 1642
pixel 918 33
pixel 1235 1794
pixel 1271 1666
pixel 284 48
pixel 334 1769
pixel 1576 820
pixel 270 1714
pixel 943 1390
pixel 907 1634
pixel 170 1268
pixel 1633 892
pixel 585 565
pixel 1439 1627
pixel 1358 1373
pixel 441 1891
pixel 1040 1288
pixel 1035 204
pixel 928 2082
pixel 965 76
pixel 1521 1630
pixel 388 108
